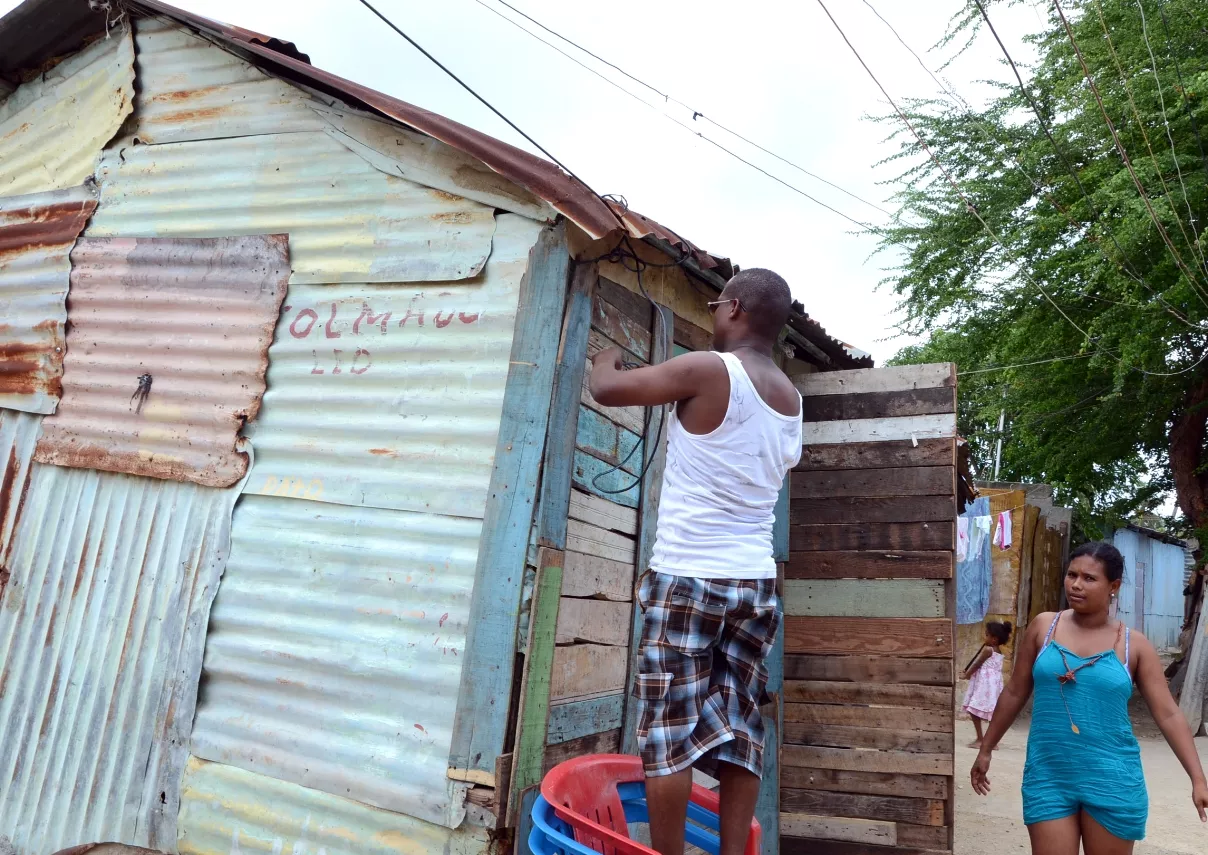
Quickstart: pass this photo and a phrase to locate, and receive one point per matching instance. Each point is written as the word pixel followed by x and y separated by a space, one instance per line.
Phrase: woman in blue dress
pixel 1083 782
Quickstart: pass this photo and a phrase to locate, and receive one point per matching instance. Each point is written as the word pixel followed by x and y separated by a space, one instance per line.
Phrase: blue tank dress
pixel 1097 769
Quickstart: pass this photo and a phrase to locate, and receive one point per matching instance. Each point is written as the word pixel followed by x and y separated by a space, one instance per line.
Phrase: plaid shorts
pixel 702 674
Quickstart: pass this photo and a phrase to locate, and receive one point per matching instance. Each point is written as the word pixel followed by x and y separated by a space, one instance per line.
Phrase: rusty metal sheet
pixel 227 811
pixel 18 434
pixel 36 235
pixel 52 128
pixel 191 89
pixel 335 652
pixel 101 638
pixel 166 355
pixel 346 220
pixel 390 396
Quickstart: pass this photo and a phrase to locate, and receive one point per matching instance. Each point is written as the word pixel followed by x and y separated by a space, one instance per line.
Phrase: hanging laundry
pixel 962 538
pixel 973 573
pixel 1002 535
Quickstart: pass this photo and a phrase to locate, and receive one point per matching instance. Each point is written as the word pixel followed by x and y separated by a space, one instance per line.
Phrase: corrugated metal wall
pixel 52 127
pixel 104 621
pixel 1151 595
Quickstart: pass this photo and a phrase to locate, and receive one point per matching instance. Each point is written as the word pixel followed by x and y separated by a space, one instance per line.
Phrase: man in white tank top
pixel 711 611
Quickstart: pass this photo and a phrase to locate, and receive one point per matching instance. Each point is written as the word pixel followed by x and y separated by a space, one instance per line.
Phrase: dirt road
pixel 994 825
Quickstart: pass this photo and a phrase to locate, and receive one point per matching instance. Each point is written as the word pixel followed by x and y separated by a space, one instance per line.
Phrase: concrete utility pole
pixel 1002 417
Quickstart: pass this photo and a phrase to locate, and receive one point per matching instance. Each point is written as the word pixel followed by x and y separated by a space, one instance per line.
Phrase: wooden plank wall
pixel 868 747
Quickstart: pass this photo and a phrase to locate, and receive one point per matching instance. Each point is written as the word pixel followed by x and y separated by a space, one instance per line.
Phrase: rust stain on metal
pixel 166 355
pixel 36 236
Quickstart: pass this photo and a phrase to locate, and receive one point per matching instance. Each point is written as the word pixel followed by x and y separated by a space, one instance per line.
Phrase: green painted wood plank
pixel 480 724
pixel 922 598
pixel 534 705
pixel 583 718
pixel 588 470
pixel 603 438
pixel 652 485
pixel 564 409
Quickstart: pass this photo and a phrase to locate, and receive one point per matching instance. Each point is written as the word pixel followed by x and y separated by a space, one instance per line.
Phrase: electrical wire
pixel 696 114
pixel 1124 266
pixel 693 131
pixel 952 181
pixel 1027 364
pixel 1178 70
pixel 1120 149
pixel 639 264
pixel 1132 102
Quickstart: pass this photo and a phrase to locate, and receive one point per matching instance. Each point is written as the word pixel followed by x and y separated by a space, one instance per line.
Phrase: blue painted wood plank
pixel 767 808
pixel 583 718
pixel 610 442
pixel 780 524
pixel 483 700
pixel 565 408
pixel 647 522
pixel 525 826
pixel 588 470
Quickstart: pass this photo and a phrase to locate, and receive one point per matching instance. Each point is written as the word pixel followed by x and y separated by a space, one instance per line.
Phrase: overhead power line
pixel 696 114
pixel 1178 70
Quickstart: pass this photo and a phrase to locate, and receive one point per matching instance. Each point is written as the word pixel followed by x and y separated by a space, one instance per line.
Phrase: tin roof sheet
pixel 36 234
pixel 347 221
pixel 335 649
pixel 166 354
pixel 18 434
pixel 228 811
pixel 53 127
pixel 100 652
pixel 390 396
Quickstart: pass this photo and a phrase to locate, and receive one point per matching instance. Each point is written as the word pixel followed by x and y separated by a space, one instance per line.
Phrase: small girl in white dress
pixel 985 677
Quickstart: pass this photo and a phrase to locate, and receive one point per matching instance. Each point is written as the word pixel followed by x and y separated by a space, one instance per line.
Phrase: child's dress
pixel 984 688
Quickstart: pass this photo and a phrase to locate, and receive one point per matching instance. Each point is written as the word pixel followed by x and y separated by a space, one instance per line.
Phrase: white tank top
pixel 720 488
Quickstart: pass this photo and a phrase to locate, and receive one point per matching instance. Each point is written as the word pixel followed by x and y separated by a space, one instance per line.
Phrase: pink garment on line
pixel 1002 533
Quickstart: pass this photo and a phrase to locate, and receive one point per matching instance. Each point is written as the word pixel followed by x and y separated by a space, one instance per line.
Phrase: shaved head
pixel 766 298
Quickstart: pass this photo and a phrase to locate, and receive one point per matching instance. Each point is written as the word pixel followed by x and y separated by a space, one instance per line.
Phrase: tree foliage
pixel 1051 261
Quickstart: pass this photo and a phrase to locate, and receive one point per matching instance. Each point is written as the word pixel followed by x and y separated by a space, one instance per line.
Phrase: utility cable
pixel 1178 70
pixel 666 97
pixel 1111 49
pixel 972 209
pixel 1120 149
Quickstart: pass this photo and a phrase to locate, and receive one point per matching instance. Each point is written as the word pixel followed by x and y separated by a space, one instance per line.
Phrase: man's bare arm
pixel 676 379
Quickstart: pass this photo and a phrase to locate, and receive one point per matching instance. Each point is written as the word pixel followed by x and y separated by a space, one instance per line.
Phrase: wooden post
pixel 1195 684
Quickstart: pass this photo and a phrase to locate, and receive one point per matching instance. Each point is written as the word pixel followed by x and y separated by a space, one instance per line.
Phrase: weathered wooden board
pixel 600 478
pixel 631 418
pixel 597 341
pixel 592 540
pixel 876 405
pixel 878 455
pixel 891 808
pixel 870 783
pixel 592 577
pixel 924 836
pixel 1191 699
pixel 631 304
pixel 608 742
pixel 809 846
pixel 602 438
pixel 906 481
pixel 834 828
pixel 564 410
pixel 870 565
pixel 866 669
pixel 916 536
pixel 602 513
pixel 867 760
pixel 594 621
pixel 690 336
pixel 866 510
pixel 913 428
pixel 884 738
pixel 873 694
pixel 578 719
pixel 612 322
pixel 480 727
pixel 901 719
pixel 919 598
pixel 888 379
pixel 583 670
pixel 923 637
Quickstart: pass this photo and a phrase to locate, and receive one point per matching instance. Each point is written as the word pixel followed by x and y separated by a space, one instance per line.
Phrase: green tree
pixel 1096 291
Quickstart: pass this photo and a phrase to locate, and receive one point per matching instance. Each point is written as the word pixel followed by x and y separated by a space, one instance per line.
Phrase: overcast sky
pixel 776 72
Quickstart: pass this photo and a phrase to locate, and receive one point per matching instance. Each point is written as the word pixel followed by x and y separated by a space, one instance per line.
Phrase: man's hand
pixel 609 356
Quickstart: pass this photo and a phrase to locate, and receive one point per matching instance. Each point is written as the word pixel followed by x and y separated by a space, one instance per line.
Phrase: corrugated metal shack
pixel 304 544
pixel 1155 575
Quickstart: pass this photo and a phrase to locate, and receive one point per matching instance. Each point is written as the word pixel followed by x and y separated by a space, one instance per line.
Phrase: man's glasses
pixel 713 306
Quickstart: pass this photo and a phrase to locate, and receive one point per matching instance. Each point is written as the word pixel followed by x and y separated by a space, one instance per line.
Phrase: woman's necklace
pixel 1070 673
